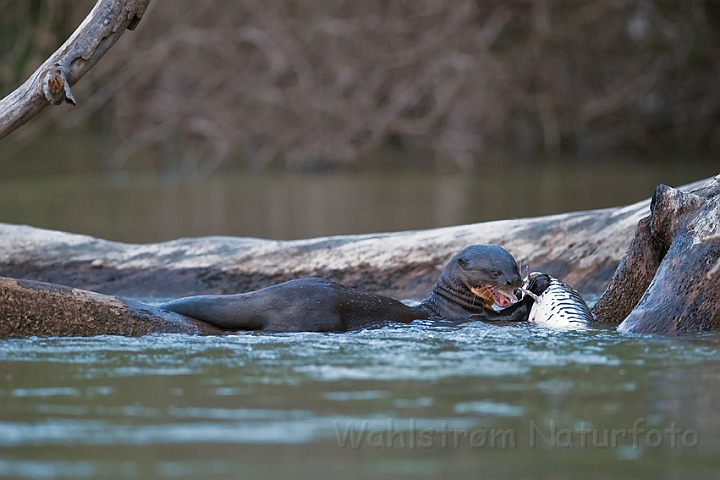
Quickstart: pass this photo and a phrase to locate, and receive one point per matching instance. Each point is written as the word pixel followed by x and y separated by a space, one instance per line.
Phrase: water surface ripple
pixel 409 400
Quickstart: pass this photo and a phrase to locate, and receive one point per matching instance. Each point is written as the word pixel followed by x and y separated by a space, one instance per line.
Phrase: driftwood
pixel 52 81
pixel 670 264
pixel 30 308
pixel 668 280
pixel 582 248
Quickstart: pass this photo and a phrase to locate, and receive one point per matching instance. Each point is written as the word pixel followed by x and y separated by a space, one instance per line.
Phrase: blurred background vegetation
pixel 311 85
pixel 214 116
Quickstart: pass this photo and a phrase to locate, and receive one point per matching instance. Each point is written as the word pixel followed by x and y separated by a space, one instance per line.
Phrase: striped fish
pixel 558 306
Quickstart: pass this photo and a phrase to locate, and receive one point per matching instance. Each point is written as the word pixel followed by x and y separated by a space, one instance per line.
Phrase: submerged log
pixel 668 280
pixel 29 308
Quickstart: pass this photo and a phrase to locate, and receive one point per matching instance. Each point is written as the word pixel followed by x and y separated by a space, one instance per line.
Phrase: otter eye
pixel 495 272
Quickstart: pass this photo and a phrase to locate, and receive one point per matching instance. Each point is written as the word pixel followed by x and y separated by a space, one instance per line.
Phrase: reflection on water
pixel 149 209
pixel 432 400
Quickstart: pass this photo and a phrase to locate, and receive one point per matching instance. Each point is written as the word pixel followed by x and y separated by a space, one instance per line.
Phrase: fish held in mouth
pixel 555 303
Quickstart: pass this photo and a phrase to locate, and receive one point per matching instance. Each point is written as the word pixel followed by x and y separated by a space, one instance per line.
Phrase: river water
pixel 150 208
pixel 422 400
pixel 410 401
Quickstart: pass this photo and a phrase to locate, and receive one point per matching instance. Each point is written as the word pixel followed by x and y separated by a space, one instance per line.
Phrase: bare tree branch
pixel 52 81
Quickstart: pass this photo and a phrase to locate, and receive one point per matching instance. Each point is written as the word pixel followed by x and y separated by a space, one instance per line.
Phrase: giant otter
pixel 475 279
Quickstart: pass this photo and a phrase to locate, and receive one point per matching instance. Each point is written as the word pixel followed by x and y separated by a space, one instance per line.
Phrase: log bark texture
pixel 52 81
pixel 29 308
pixel 582 248
pixel 667 281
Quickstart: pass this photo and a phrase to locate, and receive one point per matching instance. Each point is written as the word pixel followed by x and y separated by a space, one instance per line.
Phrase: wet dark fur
pixel 318 305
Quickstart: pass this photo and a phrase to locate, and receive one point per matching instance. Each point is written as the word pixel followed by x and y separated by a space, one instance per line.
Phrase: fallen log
pixel 581 248
pixel 29 308
pixel 668 280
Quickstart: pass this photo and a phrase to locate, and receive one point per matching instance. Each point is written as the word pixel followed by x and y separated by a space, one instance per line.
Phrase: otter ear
pixel 463 263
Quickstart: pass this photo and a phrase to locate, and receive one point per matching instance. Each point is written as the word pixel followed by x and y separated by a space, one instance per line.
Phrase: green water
pixel 150 208
pixel 422 400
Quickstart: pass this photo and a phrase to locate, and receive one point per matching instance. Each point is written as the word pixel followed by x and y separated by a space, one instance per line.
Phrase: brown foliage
pixel 312 84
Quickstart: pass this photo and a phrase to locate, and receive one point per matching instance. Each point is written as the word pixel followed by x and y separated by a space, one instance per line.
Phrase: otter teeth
pixel 498 296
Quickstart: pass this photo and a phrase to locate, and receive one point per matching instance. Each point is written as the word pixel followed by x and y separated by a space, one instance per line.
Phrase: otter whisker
pixel 530 294
pixel 527 272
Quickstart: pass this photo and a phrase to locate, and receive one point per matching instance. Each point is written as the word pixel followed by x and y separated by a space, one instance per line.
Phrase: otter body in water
pixel 474 280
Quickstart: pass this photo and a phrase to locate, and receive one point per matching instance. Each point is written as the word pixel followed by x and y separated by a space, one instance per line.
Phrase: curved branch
pixel 52 81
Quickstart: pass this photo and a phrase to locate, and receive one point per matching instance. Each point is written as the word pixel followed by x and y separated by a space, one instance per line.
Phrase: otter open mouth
pixel 494 295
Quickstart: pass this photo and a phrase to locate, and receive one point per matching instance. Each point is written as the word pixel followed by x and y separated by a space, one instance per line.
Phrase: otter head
pixel 488 272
